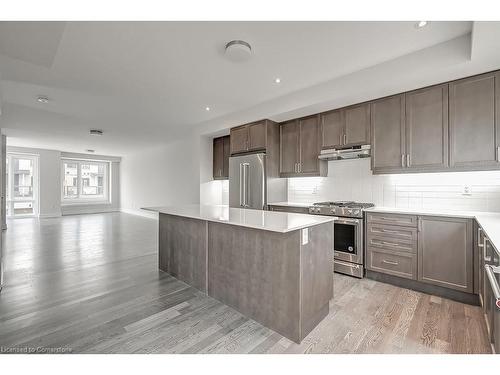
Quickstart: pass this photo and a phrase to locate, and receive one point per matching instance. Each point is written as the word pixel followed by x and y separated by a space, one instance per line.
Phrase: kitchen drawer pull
pixel 390 262
pixel 385 243
pixel 385 218
pixel 479 230
pixel 389 231
pixel 490 272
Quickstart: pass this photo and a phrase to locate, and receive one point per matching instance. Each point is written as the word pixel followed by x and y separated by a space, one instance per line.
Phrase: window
pixel 84 180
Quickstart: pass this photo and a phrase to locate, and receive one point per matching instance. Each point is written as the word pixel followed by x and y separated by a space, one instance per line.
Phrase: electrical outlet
pixel 466 190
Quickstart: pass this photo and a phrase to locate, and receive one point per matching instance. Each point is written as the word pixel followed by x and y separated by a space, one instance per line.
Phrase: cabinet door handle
pixel 345 139
pixel 390 262
pixel 403 160
pixel 340 139
pixel 479 244
pixel 419 224
pixel 486 257
pixel 498 153
pixel 300 167
pixel 407 160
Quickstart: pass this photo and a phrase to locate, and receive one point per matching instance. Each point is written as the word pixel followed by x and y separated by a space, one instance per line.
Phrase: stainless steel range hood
pixel 355 152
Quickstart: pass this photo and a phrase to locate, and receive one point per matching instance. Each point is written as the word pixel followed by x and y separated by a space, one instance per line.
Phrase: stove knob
pixel 356 212
pixel 318 210
pixel 332 210
pixel 311 209
pixel 349 211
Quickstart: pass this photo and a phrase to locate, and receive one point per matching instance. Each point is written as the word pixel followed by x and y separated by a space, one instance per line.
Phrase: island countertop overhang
pixel 281 222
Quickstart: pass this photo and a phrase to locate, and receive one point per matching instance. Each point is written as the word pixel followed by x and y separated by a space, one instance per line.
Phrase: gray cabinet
pixel 300 147
pixel 221 158
pixel 289 147
pixel 250 137
pixel 357 125
pixel 239 139
pixel 434 252
pixel 388 134
pixel 346 127
pixel 332 129
pixel 309 145
pixel 427 128
pixel 474 116
pixel 445 252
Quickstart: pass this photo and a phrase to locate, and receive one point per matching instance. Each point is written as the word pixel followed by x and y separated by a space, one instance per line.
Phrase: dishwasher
pixel 492 293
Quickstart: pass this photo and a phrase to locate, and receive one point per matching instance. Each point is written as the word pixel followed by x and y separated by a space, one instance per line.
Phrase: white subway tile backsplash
pixel 353 180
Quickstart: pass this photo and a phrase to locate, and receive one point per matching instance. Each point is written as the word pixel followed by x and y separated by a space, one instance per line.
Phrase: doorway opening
pixel 22 185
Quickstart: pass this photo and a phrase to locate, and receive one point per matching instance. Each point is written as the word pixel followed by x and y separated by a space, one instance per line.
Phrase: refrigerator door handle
pixel 246 167
pixel 241 184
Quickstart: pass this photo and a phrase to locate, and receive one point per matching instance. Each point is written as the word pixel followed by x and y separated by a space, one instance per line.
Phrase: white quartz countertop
pixel 428 212
pixel 290 204
pixel 489 221
pixel 265 220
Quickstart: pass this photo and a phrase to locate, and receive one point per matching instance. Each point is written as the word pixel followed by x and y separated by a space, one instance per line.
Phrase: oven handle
pixel 490 272
pixel 347 221
pixel 347 264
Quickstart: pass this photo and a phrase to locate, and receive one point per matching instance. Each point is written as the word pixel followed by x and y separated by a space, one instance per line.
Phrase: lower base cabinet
pixel 445 252
pixel 440 255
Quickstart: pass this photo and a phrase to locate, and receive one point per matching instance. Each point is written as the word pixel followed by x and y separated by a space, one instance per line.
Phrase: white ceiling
pixel 147 83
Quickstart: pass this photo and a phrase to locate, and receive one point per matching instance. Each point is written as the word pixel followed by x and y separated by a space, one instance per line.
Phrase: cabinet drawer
pixel 392 231
pixel 393 219
pixel 392 244
pixel 393 263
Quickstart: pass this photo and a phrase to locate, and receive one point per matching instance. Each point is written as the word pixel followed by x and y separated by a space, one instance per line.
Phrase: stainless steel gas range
pixel 348 236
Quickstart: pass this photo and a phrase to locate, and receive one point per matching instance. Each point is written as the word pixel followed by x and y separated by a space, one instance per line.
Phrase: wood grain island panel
pixel 281 280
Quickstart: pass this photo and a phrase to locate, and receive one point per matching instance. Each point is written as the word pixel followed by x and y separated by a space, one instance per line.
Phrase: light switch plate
pixel 305 236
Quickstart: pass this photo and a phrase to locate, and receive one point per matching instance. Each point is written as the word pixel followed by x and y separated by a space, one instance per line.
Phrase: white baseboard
pixel 88 210
pixel 46 216
pixel 143 213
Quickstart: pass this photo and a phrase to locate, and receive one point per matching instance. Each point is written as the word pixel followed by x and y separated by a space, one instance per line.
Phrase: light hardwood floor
pixel 90 283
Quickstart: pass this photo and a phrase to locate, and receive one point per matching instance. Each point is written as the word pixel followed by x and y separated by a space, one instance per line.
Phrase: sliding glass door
pixel 22 186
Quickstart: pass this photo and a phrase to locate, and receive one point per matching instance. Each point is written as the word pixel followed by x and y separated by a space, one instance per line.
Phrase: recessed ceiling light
pixel 420 24
pixel 207 108
pixel 277 80
pixel 42 99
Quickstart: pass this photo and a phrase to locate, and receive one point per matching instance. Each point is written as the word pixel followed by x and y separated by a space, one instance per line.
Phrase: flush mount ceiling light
pixel 42 99
pixel 207 109
pixel 95 132
pixel 420 24
pixel 277 80
pixel 238 51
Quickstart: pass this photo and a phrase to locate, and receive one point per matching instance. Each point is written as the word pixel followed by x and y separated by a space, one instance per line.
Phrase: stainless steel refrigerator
pixel 251 184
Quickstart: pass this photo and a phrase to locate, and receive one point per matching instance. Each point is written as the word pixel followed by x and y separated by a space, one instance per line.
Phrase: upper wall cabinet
pixel 221 158
pixel 410 131
pixel 474 117
pixel 300 147
pixel 427 128
pixel 250 137
pixel 388 134
pixel 346 127
pixel 259 136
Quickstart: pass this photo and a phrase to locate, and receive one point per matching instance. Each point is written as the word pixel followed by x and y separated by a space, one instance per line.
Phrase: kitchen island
pixel 274 267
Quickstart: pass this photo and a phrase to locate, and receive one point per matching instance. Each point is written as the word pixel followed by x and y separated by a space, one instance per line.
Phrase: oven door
pixel 348 240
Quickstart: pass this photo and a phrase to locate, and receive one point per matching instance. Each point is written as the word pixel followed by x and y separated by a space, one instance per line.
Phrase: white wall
pixel 163 176
pixel 49 175
pixel 353 180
